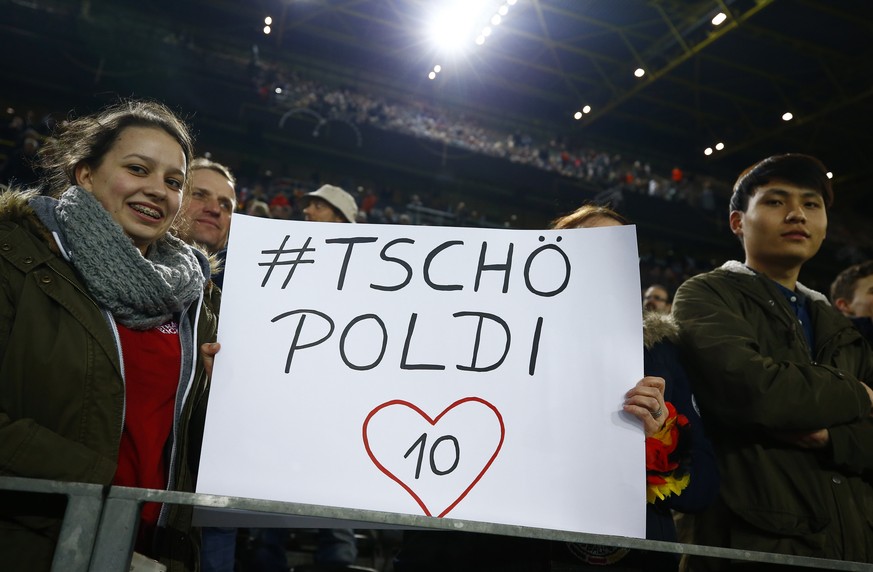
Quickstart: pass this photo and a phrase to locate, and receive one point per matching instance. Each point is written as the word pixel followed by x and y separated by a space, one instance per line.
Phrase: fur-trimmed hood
pixel 14 205
pixel 739 268
pixel 658 327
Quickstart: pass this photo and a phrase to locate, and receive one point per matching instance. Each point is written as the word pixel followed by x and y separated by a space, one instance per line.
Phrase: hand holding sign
pixel 457 446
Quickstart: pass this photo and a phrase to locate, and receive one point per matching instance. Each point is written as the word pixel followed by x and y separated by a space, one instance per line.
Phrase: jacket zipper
pixel 162 516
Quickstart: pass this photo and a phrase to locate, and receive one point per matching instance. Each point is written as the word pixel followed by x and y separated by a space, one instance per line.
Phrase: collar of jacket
pixel 739 268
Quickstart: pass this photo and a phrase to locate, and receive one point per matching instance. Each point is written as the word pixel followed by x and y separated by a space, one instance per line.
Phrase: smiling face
pixel 139 181
pixel 209 209
pixel 782 227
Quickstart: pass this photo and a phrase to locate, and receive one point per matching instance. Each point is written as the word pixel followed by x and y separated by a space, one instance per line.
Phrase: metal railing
pixel 100 525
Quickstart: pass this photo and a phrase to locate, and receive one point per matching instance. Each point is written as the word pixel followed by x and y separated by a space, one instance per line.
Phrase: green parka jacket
pixel 756 384
pixel 62 391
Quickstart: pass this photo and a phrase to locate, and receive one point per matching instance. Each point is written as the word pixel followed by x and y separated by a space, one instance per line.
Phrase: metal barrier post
pixel 116 536
pixel 79 528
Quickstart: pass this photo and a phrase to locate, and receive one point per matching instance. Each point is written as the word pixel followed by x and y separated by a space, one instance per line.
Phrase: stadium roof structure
pixel 703 84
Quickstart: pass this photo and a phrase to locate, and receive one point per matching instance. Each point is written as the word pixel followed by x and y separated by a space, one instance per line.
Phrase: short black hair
pixel 793 168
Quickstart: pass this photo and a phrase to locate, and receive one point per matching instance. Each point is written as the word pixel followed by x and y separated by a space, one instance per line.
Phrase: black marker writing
pixel 482 316
pixel 537 252
pixel 384 256
pixel 346 333
pixel 429 260
pixel 294 344
pixel 420 444
pixel 351 242
pixel 494 267
pixel 282 251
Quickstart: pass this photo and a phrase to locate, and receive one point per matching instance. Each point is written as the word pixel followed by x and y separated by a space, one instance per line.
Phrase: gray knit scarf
pixel 140 292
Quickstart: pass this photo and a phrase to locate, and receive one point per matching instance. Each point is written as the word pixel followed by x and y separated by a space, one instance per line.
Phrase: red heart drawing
pixel 433 422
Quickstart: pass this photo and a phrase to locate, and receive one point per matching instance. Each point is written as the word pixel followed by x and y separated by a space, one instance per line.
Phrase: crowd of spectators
pixel 612 179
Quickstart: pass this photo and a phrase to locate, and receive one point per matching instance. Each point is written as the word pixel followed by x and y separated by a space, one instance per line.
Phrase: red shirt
pixel 152 363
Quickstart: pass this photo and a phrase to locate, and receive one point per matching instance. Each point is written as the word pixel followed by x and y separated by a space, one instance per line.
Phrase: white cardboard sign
pixel 467 373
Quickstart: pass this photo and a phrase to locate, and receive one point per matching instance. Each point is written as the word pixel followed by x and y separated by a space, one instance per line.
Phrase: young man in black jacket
pixel 782 381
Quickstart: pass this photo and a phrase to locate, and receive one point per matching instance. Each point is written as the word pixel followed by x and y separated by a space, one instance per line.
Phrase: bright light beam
pixel 454 27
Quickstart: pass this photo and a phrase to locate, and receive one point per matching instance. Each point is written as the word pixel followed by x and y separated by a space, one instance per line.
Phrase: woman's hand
pixel 646 402
pixel 207 354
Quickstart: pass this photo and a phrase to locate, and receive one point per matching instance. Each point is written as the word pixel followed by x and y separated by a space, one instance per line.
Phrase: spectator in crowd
pixel 19 168
pixel 852 294
pixel 329 204
pixel 205 221
pixel 656 298
pixel 259 209
pixel 91 280
pixel 280 207
pixel 781 379
pixel 205 218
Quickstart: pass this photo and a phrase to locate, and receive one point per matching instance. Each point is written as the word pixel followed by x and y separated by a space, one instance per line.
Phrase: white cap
pixel 339 199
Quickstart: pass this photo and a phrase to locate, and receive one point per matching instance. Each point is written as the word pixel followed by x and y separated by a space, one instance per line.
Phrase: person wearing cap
pixel 782 381
pixel 329 204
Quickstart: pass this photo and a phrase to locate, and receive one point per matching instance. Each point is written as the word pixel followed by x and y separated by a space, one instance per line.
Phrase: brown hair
pixel 88 139
pixel 586 213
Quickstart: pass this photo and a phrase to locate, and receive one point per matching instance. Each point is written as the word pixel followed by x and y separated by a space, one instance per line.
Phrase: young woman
pixel 102 312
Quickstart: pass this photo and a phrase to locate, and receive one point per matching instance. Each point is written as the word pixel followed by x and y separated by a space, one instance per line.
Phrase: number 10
pixel 420 443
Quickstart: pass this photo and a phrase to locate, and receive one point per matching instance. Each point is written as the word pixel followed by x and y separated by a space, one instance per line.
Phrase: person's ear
pixel 842 305
pixel 84 175
pixel 736 222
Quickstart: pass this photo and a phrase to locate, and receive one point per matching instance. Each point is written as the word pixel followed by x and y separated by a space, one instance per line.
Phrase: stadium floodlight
pixel 829 175
pixel 707 151
pixel 787 116
pixel 586 109
pixel 268 21
pixel 431 75
pixel 453 27
pixel 639 72
pixel 577 116
pixel 437 68
pixel 719 146
pixel 719 19
pixel 267 30
pixel 503 10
